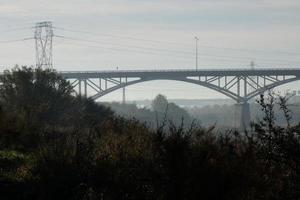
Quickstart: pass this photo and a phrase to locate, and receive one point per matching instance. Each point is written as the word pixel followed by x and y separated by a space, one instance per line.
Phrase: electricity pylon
pixel 43 44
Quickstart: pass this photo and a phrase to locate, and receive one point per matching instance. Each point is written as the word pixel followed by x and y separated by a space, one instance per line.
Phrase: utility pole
pixel 43 44
pixel 252 65
pixel 196 38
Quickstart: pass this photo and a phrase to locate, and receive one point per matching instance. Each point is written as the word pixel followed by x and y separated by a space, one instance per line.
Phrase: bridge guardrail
pixel 181 70
pixel 177 70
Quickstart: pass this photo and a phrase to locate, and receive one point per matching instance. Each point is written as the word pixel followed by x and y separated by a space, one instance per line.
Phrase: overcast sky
pixel 157 34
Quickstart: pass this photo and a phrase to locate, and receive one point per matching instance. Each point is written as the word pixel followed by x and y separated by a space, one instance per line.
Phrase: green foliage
pixel 10 160
pixel 66 147
pixel 280 146
pixel 34 100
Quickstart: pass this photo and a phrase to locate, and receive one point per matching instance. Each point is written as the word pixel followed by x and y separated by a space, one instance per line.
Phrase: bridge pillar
pixel 85 88
pixel 123 97
pixel 242 116
pixel 79 87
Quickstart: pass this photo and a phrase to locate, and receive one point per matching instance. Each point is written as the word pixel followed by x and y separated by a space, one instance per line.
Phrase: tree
pixel 33 100
pixel 34 94
pixel 160 104
pixel 280 146
pixel 171 112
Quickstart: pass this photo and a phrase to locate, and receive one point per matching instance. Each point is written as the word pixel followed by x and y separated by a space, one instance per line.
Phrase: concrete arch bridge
pixel 238 84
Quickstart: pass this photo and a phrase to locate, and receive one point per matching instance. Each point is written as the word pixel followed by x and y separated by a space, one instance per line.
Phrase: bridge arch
pixel 211 86
pixel 207 85
pixel 271 86
pixel 238 84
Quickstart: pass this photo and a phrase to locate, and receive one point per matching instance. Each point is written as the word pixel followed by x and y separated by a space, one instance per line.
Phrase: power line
pixel 121 49
pixel 158 41
pixel 17 40
pixel 170 51
pixel 155 51
pixel 158 54
pixel 251 50
pixel 130 46
pixel 177 43
pixel 121 37
pixel 15 29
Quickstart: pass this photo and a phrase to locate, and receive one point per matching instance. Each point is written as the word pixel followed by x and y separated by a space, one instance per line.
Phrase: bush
pixel 71 148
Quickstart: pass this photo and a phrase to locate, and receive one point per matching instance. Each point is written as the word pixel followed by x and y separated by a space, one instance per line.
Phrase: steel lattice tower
pixel 43 43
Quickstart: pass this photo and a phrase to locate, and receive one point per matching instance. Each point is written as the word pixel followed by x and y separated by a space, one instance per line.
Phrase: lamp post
pixel 196 39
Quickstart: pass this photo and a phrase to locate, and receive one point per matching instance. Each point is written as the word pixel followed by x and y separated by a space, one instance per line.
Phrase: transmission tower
pixel 43 44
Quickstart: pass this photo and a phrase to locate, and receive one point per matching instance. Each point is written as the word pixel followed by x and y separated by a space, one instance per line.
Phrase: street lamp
pixel 196 39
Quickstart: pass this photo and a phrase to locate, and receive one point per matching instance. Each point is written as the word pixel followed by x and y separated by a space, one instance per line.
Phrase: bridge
pixel 238 84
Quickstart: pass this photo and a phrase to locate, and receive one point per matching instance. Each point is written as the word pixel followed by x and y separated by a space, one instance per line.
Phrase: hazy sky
pixel 157 34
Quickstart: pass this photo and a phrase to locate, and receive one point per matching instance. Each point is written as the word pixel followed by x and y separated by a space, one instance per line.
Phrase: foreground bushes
pixel 94 155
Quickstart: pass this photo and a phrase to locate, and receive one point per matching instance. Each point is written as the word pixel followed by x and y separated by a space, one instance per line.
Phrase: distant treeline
pixel 55 145
pixel 186 103
pixel 161 111
pixel 228 115
pixel 223 116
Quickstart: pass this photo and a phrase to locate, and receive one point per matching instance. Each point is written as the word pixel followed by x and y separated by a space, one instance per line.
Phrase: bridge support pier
pixel 123 97
pixel 85 88
pixel 242 116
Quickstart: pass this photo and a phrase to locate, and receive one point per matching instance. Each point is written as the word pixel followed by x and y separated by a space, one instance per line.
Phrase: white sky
pixel 157 34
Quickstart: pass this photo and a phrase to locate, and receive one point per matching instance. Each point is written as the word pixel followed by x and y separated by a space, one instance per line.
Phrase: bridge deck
pixel 176 73
pixel 180 72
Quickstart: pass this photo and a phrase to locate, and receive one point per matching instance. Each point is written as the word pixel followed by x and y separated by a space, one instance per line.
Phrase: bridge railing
pixel 177 70
pixel 182 70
